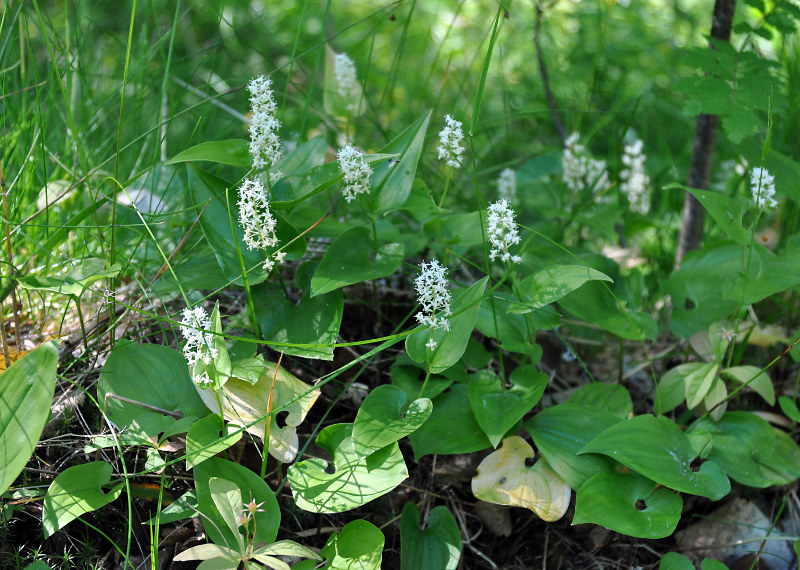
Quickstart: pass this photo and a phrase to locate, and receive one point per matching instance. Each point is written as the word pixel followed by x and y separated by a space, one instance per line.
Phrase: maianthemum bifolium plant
pixel 289 319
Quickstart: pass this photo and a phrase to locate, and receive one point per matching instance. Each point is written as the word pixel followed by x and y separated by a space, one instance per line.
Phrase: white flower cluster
pixel 265 146
pixel 502 231
pixel 635 180
pixel 507 185
pixel 199 343
pixel 580 170
pixel 762 185
pixel 356 172
pixel 256 220
pixel 346 81
pixel 434 297
pixel 451 137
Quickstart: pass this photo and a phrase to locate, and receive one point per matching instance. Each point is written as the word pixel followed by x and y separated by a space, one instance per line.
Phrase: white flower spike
pixel 502 231
pixel 434 297
pixel 265 146
pixel 256 219
pixel 451 137
pixel 762 185
pixel 635 181
pixel 346 80
pixel 356 172
pixel 507 185
pixel 580 170
pixel 199 343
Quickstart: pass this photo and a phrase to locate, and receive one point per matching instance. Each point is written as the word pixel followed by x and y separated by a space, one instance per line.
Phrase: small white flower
pixel 346 81
pixel 433 295
pixel 762 185
pixel 635 180
pixel 507 185
pixel 256 219
pixel 580 171
pixel 451 137
pixel 728 334
pixel 356 172
pixel 502 231
pixel 199 342
pixel 265 146
pixel 431 344
pixel 741 166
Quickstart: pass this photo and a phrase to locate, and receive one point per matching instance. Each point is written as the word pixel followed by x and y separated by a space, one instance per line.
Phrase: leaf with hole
pixel 512 476
pixel 349 481
pixel 358 546
pixel 629 504
pixel 26 393
pixel 437 546
pixel 384 417
pixel 658 449
pixel 246 404
pixel 77 490
pixel 496 407
pixel 560 432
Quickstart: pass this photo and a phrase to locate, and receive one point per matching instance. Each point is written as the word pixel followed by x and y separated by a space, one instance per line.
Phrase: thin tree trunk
pixel 705 137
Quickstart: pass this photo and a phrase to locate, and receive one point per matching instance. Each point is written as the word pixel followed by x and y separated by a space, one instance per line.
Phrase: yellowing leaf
pixel 13 356
pixel 243 403
pixel 504 478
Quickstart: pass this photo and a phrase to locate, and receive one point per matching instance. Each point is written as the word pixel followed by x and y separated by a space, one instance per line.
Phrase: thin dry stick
pixel 10 256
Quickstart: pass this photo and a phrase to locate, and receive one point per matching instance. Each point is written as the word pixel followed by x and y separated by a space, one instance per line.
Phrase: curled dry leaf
pixel 244 403
pixel 504 478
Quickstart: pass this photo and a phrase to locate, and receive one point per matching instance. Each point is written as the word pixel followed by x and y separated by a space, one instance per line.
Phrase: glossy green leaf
pixel 496 407
pixel 392 181
pixel 554 282
pixel 698 382
pixel 595 304
pixel 76 280
pixel 352 258
pixel 675 561
pixel 384 418
pixel 755 378
pixel 314 321
pixel 233 152
pixel 208 437
pixel 266 554
pixel 450 345
pixel 77 490
pixel 612 397
pixel 671 389
pixel 184 507
pixel 727 211
pixel 452 427
pixel 151 374
pixel 250 485
pixel 741 443
pixel 26 393
pixel 783 466
pixel 629 504
pixel 420 204
pixel 437 546
pixel 353 481
pixel 559 432
pixel 497 319
pixel 358 546
pixel 789 408
pixel 658 449
pixel 227 498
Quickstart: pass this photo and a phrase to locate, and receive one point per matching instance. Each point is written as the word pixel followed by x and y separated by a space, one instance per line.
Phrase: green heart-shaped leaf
pixel 560 432
pixel 496 408
pixel 658 449
pixel 505 478
pixel 436 547
pixel 629 504
pixel 353 482
pixel 384 418
pixel 76 491
pixel 358 546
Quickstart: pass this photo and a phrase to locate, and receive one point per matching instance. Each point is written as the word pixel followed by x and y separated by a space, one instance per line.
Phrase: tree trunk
pixel 705 137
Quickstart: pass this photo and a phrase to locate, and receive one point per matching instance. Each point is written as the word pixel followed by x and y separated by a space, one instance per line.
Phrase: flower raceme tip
pixel 502 231
pixel 450 137
pixel 433 296
pixel 356 172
